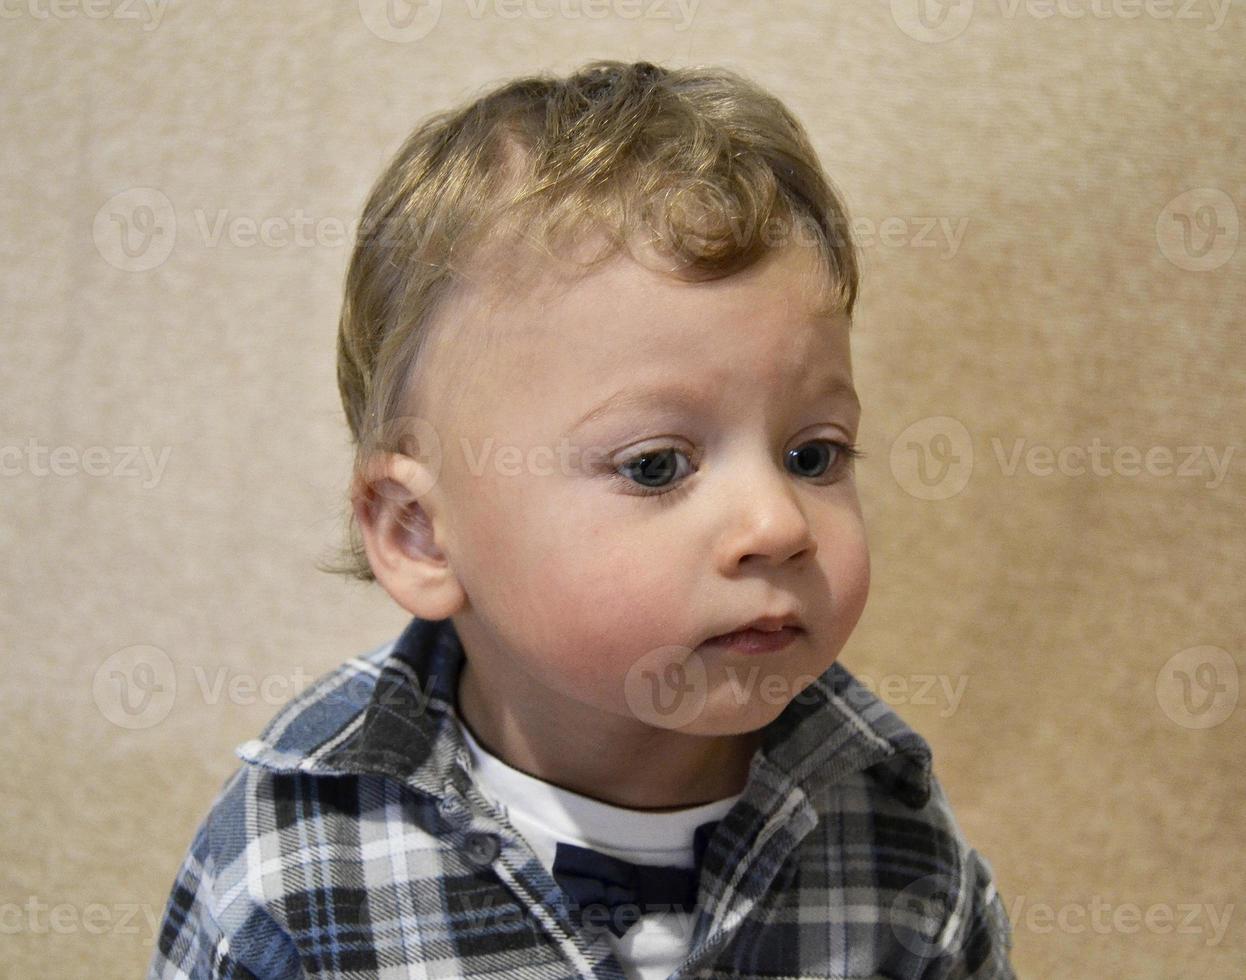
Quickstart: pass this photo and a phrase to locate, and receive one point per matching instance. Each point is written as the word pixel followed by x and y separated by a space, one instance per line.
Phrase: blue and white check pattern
pixel 353 844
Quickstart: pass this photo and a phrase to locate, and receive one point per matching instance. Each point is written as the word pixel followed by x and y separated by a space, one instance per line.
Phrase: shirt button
pixel 481 848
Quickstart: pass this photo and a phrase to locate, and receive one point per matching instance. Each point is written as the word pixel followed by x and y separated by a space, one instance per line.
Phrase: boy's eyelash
pixel 848 454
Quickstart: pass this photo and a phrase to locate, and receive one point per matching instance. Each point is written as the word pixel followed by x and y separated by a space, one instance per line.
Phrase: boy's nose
pixel 767 522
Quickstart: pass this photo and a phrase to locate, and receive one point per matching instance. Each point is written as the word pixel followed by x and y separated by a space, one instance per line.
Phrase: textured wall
pixel 1050 196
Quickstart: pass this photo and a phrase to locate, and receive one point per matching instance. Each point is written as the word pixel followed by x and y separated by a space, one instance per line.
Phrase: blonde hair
pixel 702 162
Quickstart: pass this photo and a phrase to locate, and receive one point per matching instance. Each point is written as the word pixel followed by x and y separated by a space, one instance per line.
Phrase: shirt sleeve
pixel 201 937
pixel 981 943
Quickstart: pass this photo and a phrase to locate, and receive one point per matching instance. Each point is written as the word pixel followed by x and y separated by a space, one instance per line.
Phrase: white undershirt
pixel 545 814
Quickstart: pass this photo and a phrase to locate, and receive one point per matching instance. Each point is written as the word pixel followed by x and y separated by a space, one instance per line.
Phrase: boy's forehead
pixel 617 322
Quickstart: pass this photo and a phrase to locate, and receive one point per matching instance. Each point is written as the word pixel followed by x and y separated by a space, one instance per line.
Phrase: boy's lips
pixel 764 624
pixel 760 635
pixel 756 641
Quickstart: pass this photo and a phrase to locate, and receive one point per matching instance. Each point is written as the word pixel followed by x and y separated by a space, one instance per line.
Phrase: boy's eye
pixel 811 455
pixel 653 470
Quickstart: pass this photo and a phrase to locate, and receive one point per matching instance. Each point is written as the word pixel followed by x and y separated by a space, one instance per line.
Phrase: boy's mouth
pixel 755 640
pixel 761 634
pixel 765 624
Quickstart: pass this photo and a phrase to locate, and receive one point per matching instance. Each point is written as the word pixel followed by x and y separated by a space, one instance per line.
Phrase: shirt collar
pixel 392 712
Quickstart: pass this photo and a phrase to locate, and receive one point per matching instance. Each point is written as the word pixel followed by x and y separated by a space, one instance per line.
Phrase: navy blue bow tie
pixel 599 880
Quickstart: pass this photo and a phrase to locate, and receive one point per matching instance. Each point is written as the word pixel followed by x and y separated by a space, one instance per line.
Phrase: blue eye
pixel 811 453
pixel 650 472
pixel 656 465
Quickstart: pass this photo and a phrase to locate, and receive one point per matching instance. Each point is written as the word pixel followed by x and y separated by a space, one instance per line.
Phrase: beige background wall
pixel 1055 306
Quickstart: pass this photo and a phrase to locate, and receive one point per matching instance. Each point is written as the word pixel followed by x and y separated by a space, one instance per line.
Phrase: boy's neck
pixel 594 762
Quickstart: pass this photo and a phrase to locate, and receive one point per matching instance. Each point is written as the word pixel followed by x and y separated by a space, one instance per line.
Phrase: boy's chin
pixel 748 719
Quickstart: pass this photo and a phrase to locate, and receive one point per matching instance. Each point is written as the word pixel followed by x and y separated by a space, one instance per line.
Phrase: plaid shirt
pixel 355 844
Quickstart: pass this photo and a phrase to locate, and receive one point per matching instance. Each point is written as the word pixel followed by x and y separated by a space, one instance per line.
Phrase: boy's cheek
pixel 863 569
pixel 857 596
pixel 845 561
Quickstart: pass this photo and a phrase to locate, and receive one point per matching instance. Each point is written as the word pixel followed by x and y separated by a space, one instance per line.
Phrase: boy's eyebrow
pixel 686 395
pixel 681 394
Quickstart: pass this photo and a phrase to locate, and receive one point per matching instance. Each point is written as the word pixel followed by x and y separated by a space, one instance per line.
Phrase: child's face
pixel 573 577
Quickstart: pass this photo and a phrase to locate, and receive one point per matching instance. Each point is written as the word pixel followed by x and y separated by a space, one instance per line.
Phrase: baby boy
pixel 594 355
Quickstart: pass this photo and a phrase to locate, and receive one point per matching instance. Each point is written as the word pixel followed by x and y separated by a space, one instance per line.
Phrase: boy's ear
pixel 396 508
